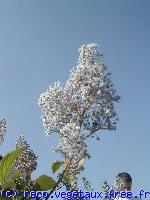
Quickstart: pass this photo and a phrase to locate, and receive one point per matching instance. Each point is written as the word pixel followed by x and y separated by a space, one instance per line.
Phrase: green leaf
pixel 16 174
pixel 7 162
pixel 56 165
pixel 44 183
pixel 9 184
pixel 4 198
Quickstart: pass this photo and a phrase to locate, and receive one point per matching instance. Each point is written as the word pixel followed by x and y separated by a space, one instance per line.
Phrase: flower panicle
pixel 2 130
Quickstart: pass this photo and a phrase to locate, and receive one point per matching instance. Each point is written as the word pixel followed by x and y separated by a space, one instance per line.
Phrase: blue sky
pixel 39 43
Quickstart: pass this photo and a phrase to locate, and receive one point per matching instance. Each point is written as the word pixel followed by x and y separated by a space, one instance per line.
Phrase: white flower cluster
pixel 106 188
pixel 71 144
pixel 87 99
pixel 52 105
pixel 2 130
pixel 70 139
pixel 119 184
pixel 83 106
pixel 86 184
pixel 26 163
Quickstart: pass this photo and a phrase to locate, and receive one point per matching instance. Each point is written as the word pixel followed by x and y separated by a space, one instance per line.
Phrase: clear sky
pixel 39 43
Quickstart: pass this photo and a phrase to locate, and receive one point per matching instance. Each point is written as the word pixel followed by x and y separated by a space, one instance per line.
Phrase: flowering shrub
pixel 84 105
pixel 75 111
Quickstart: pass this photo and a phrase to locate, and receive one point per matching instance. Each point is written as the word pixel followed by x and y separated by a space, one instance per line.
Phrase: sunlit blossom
pixel 84 105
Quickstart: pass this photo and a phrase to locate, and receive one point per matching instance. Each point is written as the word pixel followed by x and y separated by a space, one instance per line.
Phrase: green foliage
pixel 16 174
pixel 8 176
pixel 44 183
pixel 7 163
pixel 1 198
pixel 56 165
pixel 9 184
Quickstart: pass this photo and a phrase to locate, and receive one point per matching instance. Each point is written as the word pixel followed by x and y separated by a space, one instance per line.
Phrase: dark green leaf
pixel 44 183
pixel 56 165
